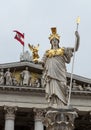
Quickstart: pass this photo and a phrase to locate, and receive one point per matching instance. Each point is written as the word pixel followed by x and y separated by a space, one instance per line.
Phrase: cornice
pixel 19 65
pixel 79 78
pixel 22 90
pixel 23 63
pixel 37 91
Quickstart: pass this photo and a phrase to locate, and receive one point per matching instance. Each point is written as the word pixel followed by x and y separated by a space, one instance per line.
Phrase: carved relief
pixel 57 120
pixel 8 77
pixel 1 77
pixel 76 86
pixel 25 77
pixel 19 78
pixel 14 77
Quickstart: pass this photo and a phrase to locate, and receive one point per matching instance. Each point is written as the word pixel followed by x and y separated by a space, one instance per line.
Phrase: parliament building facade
pixel 23 104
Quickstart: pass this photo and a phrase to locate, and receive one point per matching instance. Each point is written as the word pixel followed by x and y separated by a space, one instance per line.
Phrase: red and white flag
pixel 20 37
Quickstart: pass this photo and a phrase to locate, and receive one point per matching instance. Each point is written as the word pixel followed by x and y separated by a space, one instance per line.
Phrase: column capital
pixel 10 112
pixel 59 119
pixel 38 113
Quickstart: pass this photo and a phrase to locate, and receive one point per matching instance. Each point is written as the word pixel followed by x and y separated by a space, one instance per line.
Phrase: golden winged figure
pixel 34 50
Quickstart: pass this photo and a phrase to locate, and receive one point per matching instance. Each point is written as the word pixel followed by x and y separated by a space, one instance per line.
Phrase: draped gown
pixel 54 77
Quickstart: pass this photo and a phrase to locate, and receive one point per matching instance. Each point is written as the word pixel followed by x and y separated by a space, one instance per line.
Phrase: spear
pixel 69 96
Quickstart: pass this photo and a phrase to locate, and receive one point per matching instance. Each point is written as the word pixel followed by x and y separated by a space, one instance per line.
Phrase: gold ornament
pixel 54 34
pixel 55 52
pixel 78 20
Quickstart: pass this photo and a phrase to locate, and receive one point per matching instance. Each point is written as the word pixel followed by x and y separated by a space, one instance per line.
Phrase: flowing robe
pixel 25 77
pixel 54 75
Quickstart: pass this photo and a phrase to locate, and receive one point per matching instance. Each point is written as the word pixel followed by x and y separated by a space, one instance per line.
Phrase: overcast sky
pixel 35 18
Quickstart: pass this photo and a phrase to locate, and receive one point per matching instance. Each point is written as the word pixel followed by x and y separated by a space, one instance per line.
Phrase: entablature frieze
pixel 22 90
pixel 37 91
pixel 80 85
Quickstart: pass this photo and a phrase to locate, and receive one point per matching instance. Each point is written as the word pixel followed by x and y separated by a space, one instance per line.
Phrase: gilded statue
pixel 34 50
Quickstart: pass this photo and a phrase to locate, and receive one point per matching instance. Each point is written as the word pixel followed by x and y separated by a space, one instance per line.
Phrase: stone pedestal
pixel 60 119
pixel 38 116
pixel 9 117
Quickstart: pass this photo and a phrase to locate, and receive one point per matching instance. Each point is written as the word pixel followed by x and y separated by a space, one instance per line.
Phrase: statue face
pixel 54 43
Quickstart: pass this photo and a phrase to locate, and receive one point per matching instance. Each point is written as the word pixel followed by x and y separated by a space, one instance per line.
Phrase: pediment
pixel 16 68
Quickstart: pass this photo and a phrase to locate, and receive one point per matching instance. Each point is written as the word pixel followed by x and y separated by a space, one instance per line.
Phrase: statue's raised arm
pixel 77 42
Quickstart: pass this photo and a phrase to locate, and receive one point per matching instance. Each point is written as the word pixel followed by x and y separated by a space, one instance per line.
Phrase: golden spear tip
pixel 78 20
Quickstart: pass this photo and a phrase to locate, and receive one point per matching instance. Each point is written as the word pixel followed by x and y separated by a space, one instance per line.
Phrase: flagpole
pixel 69 96
pixel 23 49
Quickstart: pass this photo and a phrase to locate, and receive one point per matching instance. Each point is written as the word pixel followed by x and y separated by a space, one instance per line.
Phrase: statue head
pixel 54 38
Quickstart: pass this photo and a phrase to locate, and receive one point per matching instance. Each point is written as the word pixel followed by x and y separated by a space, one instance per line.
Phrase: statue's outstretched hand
pixel 77 40
pixel 76 34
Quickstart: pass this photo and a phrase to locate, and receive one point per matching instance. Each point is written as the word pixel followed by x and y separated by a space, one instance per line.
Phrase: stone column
pixel 9 117
pixel 38 116
pixel 60 119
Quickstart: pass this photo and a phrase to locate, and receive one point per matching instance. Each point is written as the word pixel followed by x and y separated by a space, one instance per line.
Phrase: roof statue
pixel 25 56
pixel 34 50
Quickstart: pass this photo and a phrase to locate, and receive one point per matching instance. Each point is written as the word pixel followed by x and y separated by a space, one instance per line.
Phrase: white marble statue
pixel 54 74
pixel 36 83
pixel 25 77
pixel 8 77
pixel 1 77
pixel 25 56
pixel 14 81
pixel 76 87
